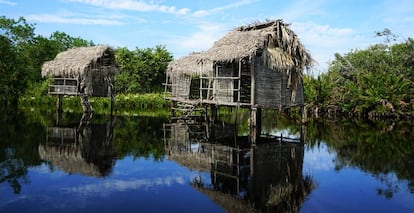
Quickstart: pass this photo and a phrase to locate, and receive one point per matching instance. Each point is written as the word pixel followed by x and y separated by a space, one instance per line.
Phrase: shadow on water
pixel 264 177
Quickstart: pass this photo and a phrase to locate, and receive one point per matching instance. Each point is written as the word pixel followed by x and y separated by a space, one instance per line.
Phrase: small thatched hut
pixel 83 71
pixel 257 66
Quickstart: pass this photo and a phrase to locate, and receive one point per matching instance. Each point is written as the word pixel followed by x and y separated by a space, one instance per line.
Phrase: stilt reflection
pixel 82 148
pixel 245 177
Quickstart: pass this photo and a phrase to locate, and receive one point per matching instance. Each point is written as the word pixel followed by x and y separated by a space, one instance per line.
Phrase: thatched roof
pixel 190 64
pixel 75 62
pixel 274 38
pixel 279 45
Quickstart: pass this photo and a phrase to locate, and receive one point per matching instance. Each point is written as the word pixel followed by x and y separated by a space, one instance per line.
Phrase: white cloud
pixel 240 3
pixel 399 18
pixel 10 3
pixel 318 159
pixel 123 185
pixel 49 18
pixel 201 40
pixel 302 9
pixel 323 41
pixel 141 6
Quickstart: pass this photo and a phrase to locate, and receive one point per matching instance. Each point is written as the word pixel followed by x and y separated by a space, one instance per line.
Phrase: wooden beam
pixel 253 81
pixel 255 124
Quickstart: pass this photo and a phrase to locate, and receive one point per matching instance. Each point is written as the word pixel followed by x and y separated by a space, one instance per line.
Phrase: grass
pixel 125 104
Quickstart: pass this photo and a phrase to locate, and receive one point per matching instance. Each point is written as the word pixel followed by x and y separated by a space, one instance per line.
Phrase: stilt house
pixel 83 71
pixel 256 66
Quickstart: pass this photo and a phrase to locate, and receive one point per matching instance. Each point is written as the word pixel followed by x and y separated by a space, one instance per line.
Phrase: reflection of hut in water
pixel 85 149
pixel 277 183
pixel 258 66
pixel 82 71
pixel 267 176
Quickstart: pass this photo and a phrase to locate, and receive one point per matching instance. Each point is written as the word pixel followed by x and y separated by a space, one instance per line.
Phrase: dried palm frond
pixel 76 61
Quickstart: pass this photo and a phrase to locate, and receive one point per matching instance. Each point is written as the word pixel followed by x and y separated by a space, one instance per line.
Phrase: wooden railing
pixel 63 86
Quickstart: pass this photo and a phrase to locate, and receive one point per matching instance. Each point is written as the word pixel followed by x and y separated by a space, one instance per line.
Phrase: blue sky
pixel 183 26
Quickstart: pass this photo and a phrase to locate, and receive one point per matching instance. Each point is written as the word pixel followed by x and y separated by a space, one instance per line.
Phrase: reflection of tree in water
pixel 277 182
pixel 266 177
pixel 18 148
pixel 85 149
pixel 13 171
pixel 384 149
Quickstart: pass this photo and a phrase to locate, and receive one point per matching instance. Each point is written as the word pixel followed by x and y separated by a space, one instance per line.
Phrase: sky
pixel 324 27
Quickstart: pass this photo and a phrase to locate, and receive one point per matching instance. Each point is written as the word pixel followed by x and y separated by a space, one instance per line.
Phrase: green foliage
pixel 142 70
pixel 63 41
pixel 125 104
pixel 15 37
pixel 378 79
pixel 22 54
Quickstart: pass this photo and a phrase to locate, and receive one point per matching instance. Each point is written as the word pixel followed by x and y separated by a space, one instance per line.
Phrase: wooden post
pixel 303 131
pixel 252 159
pixel 213 113
pixel 59 103
pixel 252 82
pixel 112 100
pixel 59 109
pixel 86 106
pixel 304 114
pixel 172 105
pixel 304 118
pixel 255 124
pixel 112 105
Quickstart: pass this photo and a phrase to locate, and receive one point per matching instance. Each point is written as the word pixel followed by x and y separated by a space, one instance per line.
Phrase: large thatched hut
pixel 82 71
pixel 257 66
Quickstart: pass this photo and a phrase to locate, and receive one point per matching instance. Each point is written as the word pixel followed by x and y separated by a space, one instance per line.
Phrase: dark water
pixel 146 163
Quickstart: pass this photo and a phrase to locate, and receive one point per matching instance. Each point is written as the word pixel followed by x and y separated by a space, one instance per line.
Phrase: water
pixel 145 163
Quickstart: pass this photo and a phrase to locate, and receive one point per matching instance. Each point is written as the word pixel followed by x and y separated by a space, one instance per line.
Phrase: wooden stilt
pixel 304 120
pixel 252 159
pixel 255 124
pixel 303 131
pixel 59 103
pixel 112 105
pixel 59 109
pixel 112 100
pixel 86 106
pixel 304 114
pixel 213 113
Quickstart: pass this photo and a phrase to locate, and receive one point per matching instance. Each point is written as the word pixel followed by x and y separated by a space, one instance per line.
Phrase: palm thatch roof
pixel 277 41
pixel 190 65
pixel 280 47
pixel 75 62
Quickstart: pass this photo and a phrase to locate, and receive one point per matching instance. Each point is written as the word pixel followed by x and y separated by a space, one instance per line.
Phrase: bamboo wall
pixel 272 90
pixel 180 87
pixel 231 83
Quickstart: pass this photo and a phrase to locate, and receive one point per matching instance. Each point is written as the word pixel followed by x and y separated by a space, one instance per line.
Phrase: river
pixel 147 163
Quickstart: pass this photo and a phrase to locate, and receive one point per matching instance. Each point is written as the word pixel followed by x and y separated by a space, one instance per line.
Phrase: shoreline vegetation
pixel 373 83
pixel 125 104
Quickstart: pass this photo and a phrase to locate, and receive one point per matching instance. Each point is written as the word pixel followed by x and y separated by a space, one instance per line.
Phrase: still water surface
pixel 149 164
